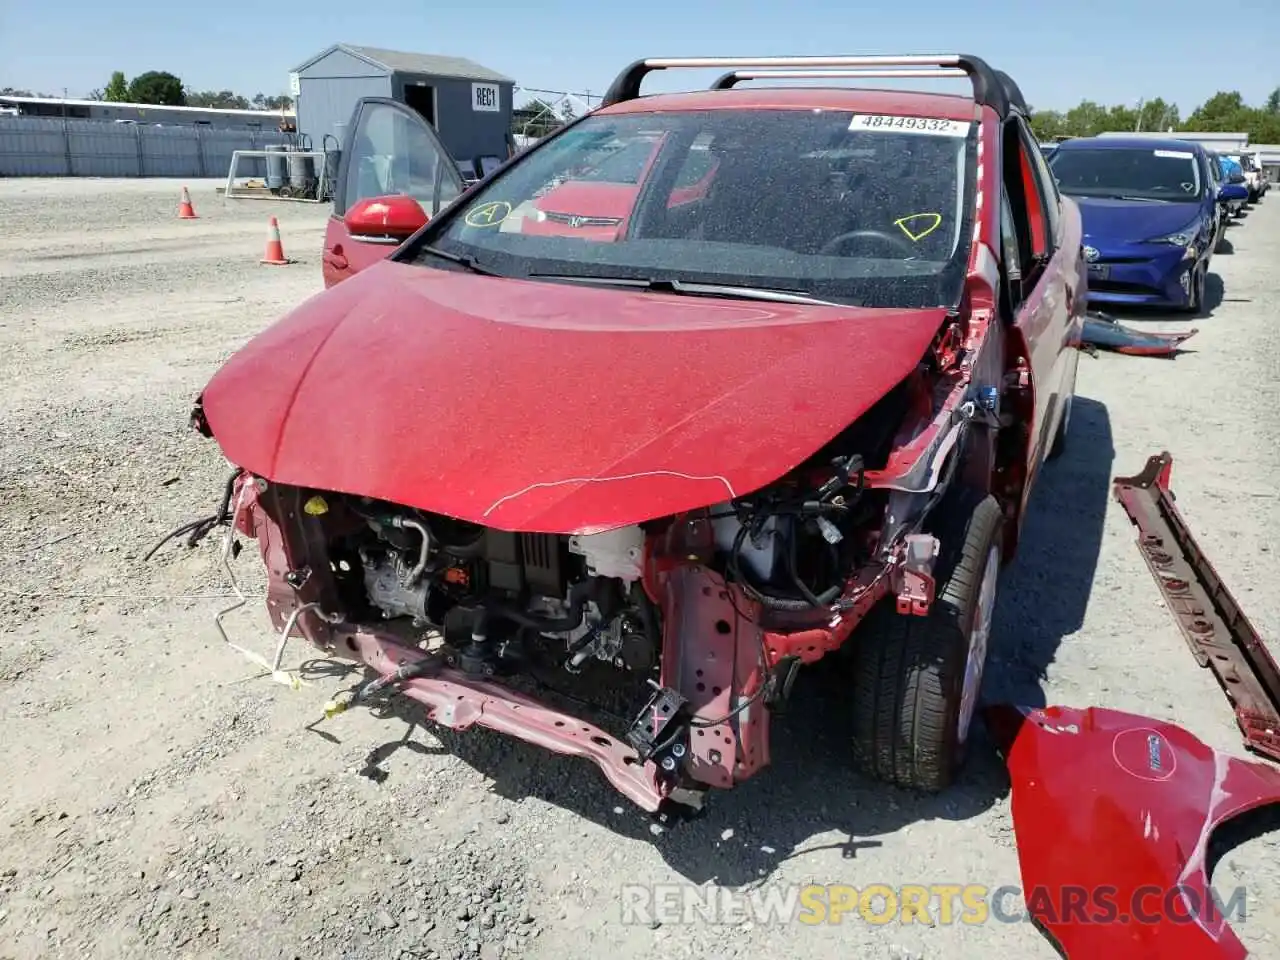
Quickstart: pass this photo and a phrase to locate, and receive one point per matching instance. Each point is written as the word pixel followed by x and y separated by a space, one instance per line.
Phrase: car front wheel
pixel 917 679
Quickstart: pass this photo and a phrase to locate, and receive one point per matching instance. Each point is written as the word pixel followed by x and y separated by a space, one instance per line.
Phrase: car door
pixel 1209 204
pixel 1052 295
pixel 390 151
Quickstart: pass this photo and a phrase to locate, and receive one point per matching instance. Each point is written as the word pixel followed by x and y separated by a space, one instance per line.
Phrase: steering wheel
pixel 900 244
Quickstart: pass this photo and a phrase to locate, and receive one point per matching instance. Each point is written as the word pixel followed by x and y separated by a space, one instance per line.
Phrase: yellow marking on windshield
pixel 488 214
pixel 915 235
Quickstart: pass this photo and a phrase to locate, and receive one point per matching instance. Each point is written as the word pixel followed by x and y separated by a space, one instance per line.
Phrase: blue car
pixel 1233 173
pixel 1151 215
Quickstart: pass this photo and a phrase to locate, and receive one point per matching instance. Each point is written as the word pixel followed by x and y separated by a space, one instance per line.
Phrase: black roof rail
pixel 1013 93
pixel 989 88
pixel 731 79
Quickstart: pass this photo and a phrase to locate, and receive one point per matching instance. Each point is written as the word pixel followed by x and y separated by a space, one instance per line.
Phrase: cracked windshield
pixel 825 204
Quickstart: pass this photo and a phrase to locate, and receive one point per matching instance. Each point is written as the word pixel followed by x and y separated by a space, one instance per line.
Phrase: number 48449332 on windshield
pixel 935 126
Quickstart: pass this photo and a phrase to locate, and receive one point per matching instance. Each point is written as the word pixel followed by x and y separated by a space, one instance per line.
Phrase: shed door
pixel 390 150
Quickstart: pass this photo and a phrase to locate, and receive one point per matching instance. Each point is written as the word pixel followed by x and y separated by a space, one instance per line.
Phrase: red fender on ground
pixel 1113 814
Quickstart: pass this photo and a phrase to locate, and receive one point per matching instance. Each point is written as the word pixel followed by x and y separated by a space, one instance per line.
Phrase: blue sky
pixel 1114 51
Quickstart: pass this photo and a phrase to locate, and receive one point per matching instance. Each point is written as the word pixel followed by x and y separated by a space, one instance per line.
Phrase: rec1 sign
pixel 484 97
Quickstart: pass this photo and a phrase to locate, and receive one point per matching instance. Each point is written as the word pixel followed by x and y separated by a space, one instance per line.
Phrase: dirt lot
pixel 161 799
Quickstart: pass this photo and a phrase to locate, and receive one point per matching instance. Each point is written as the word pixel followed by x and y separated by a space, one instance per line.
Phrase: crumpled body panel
pixel 1101 331
pixel 1114 812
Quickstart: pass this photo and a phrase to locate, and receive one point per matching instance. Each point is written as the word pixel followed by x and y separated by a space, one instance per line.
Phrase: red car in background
pixel 795 406
pixel 596 199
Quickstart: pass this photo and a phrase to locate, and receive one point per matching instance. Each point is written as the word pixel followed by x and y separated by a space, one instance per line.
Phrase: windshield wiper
pixel 1117 196
pixel 463 261
pixel 687 288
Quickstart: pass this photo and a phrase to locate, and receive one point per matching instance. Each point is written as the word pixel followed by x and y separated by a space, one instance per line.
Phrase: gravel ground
pixel 162 800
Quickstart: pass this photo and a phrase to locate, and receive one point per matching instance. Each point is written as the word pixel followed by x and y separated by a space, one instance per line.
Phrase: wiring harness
pixel 795 510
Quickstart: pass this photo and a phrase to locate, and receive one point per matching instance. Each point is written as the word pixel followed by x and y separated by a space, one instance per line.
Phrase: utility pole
pixel 1137 127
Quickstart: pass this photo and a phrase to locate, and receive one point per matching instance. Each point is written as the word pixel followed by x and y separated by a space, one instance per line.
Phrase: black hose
pixel 783 604
pixel 199 529
pixel 228 491
pixel 579 593
pixel 406 671
pixel 468 549
pixel 795 574
pixel 174 534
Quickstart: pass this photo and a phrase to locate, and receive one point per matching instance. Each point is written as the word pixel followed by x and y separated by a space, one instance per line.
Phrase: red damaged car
pixel 606 493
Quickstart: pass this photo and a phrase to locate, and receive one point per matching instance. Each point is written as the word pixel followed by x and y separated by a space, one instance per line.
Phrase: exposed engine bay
pixel 496 601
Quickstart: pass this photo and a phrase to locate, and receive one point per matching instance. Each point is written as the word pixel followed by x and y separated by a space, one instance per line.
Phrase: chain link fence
pixel 68 147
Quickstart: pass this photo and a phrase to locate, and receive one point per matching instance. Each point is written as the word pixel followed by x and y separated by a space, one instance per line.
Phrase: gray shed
pixel 469 105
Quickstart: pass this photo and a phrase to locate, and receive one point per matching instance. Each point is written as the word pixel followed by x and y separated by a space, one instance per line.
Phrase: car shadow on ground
pixel 1045 591
pixel 811 788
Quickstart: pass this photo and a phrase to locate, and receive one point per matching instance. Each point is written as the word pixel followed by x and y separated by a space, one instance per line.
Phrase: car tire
pixel 1195 306
pixel 914 676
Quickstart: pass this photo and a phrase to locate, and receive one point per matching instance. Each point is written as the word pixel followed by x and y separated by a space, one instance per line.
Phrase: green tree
pixel 1121 118
pixel 1088 119
pixel 117 90
pixel 158 87
pixel 19 92
pixel 264 102
pixel 221 99
pixel 1048 124
pixel 1224 112
pixel 1156 114
pixel 1265 127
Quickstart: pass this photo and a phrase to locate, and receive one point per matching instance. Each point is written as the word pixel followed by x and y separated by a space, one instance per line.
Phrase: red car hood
pixel 590 199
pixel 549 407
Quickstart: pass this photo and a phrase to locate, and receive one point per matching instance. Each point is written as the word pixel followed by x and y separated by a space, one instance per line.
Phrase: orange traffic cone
pixel 275 250
pixel 185 210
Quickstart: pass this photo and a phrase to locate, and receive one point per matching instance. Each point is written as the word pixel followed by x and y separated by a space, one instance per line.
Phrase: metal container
pixel 302 175
pixel 277 167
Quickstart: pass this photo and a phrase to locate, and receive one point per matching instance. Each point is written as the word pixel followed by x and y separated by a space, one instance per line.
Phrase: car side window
pixel 1024 225
pixel 1206 175
pixel 392 152
pixel 1047 186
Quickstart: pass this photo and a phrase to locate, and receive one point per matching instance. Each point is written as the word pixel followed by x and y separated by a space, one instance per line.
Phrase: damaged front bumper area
pixel 657 650
pixel 707 692
pixel 679 696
